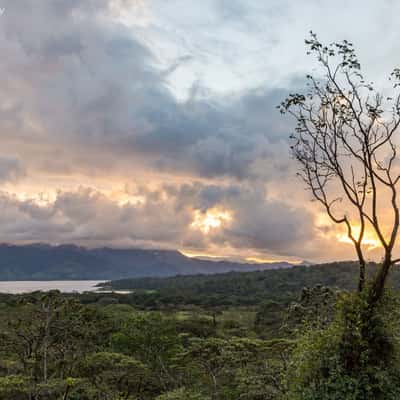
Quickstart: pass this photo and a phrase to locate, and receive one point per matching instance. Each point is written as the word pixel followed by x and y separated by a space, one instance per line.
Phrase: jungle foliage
pixel 55 346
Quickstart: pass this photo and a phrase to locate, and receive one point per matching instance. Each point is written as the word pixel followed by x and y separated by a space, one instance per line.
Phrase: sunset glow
pixel 370 240
pixel 179 180
pixel 210 220
pixel 129 125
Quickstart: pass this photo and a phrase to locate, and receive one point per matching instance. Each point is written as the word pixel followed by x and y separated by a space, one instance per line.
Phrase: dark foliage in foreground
pixel 54 347
pixel 100 346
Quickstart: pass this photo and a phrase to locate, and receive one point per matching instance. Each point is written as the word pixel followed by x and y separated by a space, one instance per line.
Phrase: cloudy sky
pixel 152 123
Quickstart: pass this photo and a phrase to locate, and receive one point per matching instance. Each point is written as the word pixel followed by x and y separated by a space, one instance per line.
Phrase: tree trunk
pixel 361 279
pixel 66 393
pixel 378 284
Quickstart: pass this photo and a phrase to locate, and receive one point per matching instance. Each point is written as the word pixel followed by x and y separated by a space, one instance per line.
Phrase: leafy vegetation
pixel 282 342
pixel 52 346
pixel 349 358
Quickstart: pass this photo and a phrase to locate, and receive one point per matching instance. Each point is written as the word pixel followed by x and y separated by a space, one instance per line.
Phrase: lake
pixel 16 287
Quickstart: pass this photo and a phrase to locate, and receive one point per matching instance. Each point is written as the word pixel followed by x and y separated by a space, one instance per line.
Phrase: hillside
pixel 69 262
pixel 239 289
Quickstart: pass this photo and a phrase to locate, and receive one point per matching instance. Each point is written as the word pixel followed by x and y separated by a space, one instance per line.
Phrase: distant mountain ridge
pixel 71 262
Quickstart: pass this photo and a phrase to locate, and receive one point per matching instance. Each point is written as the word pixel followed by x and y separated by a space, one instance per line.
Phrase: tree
pixel 42 341
pixel 151 338
pixel 315 309
pixel 213 362
pixel 345 144
pixel 116 376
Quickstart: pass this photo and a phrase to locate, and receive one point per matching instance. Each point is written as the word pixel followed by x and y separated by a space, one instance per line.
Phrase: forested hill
pixel 248 288
pixel 69 262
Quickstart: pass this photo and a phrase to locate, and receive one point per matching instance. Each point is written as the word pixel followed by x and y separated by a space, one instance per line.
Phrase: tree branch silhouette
pixel 344 144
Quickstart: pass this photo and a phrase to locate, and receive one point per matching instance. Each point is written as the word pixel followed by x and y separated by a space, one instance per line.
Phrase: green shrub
pixel 356 357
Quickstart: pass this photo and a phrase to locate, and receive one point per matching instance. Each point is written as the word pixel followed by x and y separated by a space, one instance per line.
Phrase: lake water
pixel 63 286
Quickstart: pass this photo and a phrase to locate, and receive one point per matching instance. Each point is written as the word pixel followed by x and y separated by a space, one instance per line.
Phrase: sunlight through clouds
pixel 211 219
pixel 165 112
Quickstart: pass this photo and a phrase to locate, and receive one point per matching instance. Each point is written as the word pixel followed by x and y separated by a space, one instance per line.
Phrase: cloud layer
pixel 122 120
pixel 161 218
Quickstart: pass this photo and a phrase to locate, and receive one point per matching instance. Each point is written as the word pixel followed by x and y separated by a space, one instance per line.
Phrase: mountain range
pixel 71 262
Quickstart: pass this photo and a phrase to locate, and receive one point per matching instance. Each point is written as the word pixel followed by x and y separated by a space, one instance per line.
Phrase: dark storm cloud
pixel 84 97
pixel 213 140
pixel 87 83
pixel 188 93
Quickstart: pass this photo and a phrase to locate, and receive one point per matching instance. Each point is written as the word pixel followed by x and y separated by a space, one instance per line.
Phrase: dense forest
pixel 56 346
pixel 98 346
pixel 238 289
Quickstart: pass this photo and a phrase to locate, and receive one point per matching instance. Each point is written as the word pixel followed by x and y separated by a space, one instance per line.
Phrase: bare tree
pixel 345 143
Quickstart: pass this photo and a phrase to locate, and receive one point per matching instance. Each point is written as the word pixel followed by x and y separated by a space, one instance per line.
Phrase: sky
pixel 153 123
